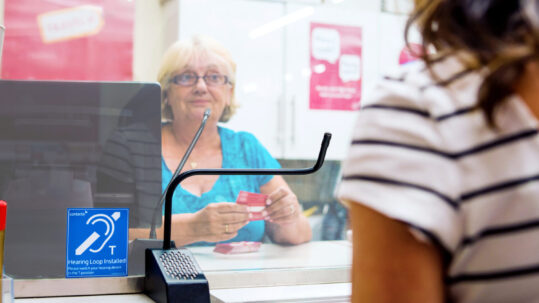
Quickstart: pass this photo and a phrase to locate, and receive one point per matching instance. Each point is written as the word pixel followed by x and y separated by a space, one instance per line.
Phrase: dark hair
pixel 493 36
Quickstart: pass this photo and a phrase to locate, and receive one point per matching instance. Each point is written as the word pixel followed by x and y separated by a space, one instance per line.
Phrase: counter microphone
pixel 159 205
pixel 138 246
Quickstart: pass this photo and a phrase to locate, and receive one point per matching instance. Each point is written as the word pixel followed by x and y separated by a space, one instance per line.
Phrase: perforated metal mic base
pixel 173 275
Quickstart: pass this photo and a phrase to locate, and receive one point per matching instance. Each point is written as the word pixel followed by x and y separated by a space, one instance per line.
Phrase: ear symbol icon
pixel 109 231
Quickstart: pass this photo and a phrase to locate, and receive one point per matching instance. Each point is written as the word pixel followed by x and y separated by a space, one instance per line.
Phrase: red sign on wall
pixel 336 67
pixel 68 40
pixel 410 52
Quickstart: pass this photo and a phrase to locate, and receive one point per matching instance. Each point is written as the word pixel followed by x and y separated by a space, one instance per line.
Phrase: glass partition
pixel 73 144
pixel 66 145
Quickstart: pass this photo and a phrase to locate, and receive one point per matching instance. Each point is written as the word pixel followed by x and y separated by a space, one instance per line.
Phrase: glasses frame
pixel 175 79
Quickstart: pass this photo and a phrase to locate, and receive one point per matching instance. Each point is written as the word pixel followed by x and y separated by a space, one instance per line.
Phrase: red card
pixel 256 203
pixel 237 247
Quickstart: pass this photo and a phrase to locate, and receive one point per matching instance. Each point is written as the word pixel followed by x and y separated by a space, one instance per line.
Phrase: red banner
pixel 68 40
pixel 336 67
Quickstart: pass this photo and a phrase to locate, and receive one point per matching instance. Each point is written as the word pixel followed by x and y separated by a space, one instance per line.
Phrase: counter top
pixel 318 262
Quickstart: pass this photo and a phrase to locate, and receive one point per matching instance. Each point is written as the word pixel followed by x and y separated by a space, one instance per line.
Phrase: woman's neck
pixel 184 131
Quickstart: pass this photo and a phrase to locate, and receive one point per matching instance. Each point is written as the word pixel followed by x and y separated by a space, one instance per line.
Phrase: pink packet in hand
pixel 255 203
pixel 237 247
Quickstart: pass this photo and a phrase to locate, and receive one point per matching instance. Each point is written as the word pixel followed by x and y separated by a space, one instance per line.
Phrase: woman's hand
pixel 283 207
pixel 286 223
pixel 219 221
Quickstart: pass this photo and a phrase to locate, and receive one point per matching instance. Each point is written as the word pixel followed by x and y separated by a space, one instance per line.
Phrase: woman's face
pixel 189 97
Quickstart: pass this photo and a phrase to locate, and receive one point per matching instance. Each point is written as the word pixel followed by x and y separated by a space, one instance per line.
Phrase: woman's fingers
pixel 286 214
pixel 221 221
pixel 277 195
pixel 284 207
pixel 232 228
pixel 232 213
pixel 227 207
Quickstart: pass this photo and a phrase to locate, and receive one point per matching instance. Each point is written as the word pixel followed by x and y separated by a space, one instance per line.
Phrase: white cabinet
pixel 274 68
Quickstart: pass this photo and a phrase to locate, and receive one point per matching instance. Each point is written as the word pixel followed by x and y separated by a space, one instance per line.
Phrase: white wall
pixel 272 79
pixel 285 124
pixel 147 46
pixel 148 37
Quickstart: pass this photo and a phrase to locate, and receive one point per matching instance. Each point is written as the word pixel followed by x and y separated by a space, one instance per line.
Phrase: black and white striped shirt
pixel 422 155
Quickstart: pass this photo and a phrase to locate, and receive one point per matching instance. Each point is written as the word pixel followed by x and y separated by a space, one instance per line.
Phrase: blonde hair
pixel 180 54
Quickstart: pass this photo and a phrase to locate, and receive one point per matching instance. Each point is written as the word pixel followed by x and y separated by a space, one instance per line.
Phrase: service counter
pixel 314 271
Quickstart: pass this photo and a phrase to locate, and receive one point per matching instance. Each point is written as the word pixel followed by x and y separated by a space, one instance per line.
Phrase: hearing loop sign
pixel 94 236
pixel 96 242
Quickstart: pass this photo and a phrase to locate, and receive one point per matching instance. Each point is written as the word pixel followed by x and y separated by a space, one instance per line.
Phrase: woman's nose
pixel 200 85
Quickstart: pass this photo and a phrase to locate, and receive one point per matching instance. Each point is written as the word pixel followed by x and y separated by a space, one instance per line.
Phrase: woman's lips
pixel 200 102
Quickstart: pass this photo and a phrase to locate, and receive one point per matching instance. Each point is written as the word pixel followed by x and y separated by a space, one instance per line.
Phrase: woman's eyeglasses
pixel 190 79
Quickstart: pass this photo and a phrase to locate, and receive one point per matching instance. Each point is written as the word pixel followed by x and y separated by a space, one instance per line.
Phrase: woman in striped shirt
pixel 442 178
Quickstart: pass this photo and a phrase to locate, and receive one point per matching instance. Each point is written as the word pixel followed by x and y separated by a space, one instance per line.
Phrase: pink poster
pixel 68 40
pixel 410 53
pixel 336 67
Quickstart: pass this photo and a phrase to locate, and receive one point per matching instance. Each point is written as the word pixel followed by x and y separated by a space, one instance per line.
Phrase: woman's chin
pixel 198 112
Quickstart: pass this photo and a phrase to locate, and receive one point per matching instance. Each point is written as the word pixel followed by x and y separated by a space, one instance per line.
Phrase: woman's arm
pixel 389 264
pixel 286 223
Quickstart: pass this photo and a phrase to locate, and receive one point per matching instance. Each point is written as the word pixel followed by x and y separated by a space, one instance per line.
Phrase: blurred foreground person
pixel 442 178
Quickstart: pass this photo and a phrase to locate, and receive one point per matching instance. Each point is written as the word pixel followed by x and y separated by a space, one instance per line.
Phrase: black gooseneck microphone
pixel 159 205
pixel 231 171
pixel 173 275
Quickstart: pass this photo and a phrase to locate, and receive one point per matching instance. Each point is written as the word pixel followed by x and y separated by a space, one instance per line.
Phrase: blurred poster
pixel 336 67
pixel 410 53
pixel 68 40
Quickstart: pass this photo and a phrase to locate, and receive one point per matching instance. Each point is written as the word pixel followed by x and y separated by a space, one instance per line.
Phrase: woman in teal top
pixel 196 75
pixel 240 150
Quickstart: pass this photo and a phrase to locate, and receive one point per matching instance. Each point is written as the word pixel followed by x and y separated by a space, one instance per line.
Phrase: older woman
pixel 196 75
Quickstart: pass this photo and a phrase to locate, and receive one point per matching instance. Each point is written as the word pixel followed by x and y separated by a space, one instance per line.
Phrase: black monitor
pixel 73 144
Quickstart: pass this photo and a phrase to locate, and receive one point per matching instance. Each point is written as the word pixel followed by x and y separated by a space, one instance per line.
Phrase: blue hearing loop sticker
pixel 97 242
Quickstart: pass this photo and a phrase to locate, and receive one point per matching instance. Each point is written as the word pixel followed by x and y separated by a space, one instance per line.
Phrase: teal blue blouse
pixel 240 150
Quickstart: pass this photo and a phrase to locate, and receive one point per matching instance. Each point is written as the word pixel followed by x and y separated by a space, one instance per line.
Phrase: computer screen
pixel 73 144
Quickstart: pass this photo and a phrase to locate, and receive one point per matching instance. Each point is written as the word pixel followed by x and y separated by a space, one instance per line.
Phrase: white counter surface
pixel 314 263
pixel 317 254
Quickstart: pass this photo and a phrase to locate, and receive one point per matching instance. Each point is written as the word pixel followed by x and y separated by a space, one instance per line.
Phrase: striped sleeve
pixel 117 160
pixel 397 165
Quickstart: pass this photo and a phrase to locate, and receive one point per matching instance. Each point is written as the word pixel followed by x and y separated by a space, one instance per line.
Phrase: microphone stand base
pixel 173 275
pixel 137 249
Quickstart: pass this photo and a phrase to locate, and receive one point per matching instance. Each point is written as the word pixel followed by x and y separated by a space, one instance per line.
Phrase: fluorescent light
pixel 280 22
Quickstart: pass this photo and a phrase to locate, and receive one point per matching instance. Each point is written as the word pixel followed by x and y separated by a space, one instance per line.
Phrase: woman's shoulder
pixel 447 86
pixel 236 136
pixel 243 147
